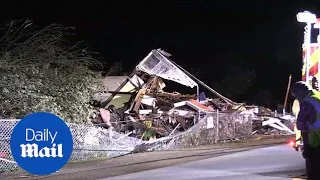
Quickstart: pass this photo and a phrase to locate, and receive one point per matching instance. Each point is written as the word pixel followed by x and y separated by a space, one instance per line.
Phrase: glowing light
pixel 292 143
pixel 306 17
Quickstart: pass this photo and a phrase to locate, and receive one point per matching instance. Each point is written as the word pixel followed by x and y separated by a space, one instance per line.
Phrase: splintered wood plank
pixel 138 99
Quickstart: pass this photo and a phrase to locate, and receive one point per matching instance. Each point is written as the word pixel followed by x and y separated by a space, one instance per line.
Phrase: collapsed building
pixel 137 104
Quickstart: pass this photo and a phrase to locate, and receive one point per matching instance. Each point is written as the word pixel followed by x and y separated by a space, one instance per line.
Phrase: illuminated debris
pixel 141 105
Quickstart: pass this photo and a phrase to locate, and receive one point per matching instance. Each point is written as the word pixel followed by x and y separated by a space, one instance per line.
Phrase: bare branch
pixel 40 70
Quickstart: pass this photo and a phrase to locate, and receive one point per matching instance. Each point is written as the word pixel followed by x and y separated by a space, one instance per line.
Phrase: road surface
pixel 270 163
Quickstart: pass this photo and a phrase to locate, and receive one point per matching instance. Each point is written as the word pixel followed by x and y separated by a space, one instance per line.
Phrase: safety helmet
pixel 301 85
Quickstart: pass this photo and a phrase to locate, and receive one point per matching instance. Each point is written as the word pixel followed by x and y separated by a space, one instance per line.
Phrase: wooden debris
pixel 154 110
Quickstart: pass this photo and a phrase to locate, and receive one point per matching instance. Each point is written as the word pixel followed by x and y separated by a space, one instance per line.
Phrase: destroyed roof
pixel 155 63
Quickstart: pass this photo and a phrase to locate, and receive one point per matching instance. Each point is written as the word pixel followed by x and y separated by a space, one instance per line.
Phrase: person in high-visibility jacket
pixel 308 122
pixel 296 109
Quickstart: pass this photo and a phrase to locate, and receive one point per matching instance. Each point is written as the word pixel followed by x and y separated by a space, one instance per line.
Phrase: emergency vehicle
pixel 310 64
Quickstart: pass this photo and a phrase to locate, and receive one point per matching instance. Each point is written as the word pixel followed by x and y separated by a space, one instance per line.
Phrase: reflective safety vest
pixel 314 128
pixel 295 108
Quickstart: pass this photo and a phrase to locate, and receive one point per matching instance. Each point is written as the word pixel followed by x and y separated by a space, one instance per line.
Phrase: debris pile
pixel 92 142
pixel 266 122
pixel 141 107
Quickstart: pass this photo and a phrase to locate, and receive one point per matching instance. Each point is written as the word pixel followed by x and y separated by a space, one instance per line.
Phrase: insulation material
pixel 148 100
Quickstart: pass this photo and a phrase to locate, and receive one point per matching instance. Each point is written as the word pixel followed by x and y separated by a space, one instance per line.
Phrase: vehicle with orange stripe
pixel 313 61
pixel 310 65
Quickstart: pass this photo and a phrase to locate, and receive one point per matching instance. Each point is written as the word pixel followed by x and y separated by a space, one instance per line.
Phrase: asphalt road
pixel 270 163
pixel 219 159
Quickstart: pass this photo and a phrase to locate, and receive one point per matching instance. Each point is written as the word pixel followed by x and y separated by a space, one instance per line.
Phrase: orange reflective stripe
pixel 313 62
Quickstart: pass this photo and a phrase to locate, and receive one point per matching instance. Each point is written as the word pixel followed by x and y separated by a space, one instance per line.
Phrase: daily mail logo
pixel 41 143
pixel 32 150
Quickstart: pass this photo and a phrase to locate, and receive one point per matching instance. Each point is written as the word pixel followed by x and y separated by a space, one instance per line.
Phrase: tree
pixel 114 70
pixel 234 85
pixel 264 97
pixel 40 70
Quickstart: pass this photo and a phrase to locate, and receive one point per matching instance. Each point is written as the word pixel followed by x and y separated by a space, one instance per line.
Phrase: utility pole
pixel 287 93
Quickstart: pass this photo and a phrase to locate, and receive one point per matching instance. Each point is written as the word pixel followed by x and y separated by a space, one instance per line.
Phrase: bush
pixel 40 70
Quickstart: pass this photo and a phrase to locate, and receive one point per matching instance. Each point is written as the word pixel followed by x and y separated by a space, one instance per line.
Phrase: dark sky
pixel 211 36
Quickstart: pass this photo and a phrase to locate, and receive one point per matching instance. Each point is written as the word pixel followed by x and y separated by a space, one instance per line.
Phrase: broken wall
pixel 119 100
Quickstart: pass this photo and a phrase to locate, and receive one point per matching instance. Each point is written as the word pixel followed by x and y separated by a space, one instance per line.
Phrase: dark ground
pixel 145 161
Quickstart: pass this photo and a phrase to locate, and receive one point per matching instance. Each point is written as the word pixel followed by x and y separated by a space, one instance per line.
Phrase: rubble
pixel 141 106
pixel 265 121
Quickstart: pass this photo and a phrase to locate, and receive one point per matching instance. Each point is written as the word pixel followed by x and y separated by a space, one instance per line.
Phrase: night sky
pixel 216 37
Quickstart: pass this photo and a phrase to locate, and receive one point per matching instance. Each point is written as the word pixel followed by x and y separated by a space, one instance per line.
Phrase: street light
pixel 306 17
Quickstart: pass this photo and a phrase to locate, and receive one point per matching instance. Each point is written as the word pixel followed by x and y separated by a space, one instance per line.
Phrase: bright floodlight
pixel 306 17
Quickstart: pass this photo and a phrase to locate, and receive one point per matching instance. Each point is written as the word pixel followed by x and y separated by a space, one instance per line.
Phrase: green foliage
pixel 41 71
pixel 148 134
